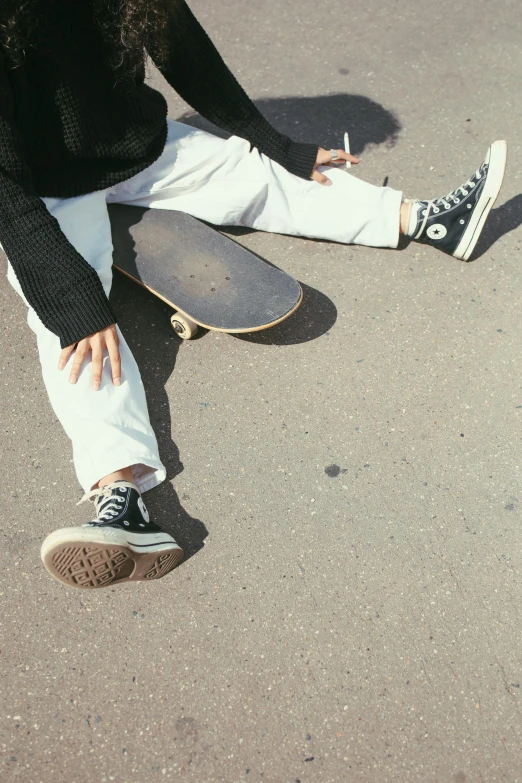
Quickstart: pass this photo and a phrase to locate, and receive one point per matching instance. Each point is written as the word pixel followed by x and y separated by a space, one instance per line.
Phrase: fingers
pixel 82 349
pixel 341 159
pixel 318 177
pixel 346 158
pixel 114 356
pixel 64 356
pixel 324 157
pixel 97 364
pixel 96 344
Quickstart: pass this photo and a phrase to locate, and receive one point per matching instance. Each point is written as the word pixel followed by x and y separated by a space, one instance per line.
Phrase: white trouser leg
pixel 226 184
pixel 110 428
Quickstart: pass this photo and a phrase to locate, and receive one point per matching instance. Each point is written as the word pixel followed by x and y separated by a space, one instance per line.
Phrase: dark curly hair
pixel 131 26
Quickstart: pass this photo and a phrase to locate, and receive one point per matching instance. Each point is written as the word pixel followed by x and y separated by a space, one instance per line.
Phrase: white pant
pixel 221 182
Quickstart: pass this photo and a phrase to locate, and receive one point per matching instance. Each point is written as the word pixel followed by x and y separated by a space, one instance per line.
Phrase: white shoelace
pixel 433 206
pixel 100 495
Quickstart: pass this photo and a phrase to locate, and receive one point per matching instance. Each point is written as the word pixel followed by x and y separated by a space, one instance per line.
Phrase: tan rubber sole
pixel 91 564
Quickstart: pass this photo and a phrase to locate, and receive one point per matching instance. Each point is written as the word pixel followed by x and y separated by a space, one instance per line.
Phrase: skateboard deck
pixel 210 280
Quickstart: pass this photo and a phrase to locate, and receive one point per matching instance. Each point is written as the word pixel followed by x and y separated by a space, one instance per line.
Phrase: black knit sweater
pixel 69 127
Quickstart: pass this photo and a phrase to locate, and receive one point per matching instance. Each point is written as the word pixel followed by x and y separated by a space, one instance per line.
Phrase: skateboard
pixel 208 279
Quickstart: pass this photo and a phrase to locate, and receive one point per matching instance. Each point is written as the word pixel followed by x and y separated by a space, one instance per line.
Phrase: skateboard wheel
pixel 184 327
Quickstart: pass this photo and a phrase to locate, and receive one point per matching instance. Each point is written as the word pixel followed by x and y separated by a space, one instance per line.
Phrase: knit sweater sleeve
pixel 195 69
pixel 57 282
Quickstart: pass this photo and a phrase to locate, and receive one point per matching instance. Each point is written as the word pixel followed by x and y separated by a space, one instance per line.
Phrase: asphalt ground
pixel 346 485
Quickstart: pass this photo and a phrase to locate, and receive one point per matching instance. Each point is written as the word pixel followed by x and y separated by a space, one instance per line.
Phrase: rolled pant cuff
pixel 391 217
pixel 147 472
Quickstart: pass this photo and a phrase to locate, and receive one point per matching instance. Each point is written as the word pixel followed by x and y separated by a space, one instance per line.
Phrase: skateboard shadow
pixel 324 118
pixel 156 352
pixel 315 317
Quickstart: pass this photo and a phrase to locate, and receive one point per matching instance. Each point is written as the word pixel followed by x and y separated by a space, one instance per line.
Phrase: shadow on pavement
pixel 323 119
pixel 316 316
pixel 501 221
pixel 145 322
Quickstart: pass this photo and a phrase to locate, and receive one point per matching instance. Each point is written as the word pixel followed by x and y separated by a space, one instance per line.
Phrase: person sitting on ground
pixel 79 129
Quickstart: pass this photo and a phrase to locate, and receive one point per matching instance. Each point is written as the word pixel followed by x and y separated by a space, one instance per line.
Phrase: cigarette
pixel 347 149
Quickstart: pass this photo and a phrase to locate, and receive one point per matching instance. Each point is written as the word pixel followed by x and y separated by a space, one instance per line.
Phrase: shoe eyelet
pixel 457 201
pixel 126 523
pixel 447 206
pixel 464 193
pixel 469 206
pixel 462 222
pixel 424 213
pixel 436 210
pixel 141 525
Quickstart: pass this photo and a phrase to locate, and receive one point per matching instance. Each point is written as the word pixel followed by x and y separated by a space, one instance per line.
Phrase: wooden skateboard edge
pixel 215 328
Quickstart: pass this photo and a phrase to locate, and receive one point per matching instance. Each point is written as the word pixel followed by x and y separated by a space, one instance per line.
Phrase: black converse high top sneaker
pixel 120 545
pixel 453 224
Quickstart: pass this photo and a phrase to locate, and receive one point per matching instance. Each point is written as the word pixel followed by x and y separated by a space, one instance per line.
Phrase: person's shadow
pixel 322 120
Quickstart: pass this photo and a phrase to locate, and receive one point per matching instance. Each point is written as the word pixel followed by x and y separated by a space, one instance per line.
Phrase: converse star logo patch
pixel 437 231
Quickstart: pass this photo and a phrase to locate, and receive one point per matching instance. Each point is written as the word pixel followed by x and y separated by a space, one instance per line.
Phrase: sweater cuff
pixel 301 158
pixel 74 318
pixel 296 157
